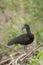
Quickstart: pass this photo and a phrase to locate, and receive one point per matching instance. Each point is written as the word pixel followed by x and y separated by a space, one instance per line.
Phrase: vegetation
pixel 13 15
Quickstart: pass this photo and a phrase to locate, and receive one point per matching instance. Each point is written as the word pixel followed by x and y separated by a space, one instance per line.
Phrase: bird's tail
pixel 11 42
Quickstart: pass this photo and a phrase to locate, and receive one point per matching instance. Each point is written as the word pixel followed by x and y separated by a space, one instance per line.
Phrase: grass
pixel 31 13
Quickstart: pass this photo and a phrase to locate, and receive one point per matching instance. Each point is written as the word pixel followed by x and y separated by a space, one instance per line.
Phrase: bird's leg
pixel 25 48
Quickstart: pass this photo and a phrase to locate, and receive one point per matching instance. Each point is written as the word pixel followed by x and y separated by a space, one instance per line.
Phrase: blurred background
pixel 14 14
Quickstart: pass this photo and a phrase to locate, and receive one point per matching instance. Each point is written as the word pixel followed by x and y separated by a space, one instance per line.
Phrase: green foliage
pixel 40 53
pixel 37 59
pixel 6 1
pixel 40 35
pixel 34 62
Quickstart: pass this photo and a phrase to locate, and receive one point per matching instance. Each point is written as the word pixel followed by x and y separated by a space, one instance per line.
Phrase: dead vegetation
pixel 19 57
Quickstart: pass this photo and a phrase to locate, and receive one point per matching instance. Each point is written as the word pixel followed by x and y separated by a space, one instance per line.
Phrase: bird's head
pixel 27 27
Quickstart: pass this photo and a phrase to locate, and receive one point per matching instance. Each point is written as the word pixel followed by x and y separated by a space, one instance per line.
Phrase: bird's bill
pixel 23 28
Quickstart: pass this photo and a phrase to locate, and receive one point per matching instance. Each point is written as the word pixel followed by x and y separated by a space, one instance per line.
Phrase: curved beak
pixel 23 28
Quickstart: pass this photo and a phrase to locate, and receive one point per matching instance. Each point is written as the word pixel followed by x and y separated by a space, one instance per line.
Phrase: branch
pixel 21 56
pixel 28 54
pixel 4 61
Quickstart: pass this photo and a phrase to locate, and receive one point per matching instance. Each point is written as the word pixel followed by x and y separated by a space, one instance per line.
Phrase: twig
pixel 4 61
pixel 25 55
pixel 28 54
pixel 11 62
pixel 8 47
pixel 11 56
pixel 12 59
pixel 21 56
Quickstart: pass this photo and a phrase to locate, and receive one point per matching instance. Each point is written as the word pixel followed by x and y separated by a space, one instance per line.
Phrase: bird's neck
pixel 28 31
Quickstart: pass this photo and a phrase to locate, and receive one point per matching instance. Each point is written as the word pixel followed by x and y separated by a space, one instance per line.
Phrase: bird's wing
pixel 21 38
pixel 24 38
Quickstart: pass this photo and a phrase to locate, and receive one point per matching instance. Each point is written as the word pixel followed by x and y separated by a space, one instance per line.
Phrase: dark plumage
pixel 23 39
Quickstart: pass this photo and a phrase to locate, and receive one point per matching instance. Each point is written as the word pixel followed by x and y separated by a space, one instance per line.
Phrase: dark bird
pixel 23 39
